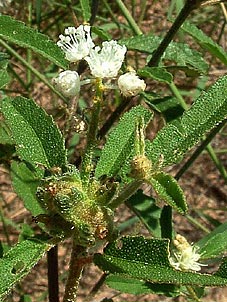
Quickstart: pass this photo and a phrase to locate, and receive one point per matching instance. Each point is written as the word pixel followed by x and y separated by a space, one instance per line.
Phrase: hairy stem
pixel 87 167
pixel 77 263
pixel 126 193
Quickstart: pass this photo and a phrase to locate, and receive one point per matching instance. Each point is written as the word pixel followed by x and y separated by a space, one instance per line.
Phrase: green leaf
pixel 120 142
pixel 215 243
pixel 175 139
pixel 205 42
pixel 137 287
pixel 168 106
pixel 169 191
pixel 4 78
pixel 157 73
pixel 144 207
pixel 37 138
pixel 25 298
pixel 17 32
pixel 18 262
pixel 180 53
pixel 5 135
pixel 25 183
pixel 147 260
pixel 86 10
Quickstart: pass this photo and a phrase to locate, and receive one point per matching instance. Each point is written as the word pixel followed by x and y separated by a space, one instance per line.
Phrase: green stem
pixel 197 224
pixel 199 150
pixel 193 294
pixel 126 193
pixel 129 18
pixel 77 262
pixel 87 167
pixel 29 53
pixel 33 70
pixel 189 6
pixel 143 11
pixel 217 162
pixel 177 94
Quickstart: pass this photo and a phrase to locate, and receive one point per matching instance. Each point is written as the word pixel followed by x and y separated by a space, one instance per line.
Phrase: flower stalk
pixel 87 167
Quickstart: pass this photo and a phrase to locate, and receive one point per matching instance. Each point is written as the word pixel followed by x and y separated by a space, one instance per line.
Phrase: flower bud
pixel 130 84
pixel 68 83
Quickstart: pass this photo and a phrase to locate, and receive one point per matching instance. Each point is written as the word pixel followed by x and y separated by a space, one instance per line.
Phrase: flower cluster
pixel 186 256
pixel 104 63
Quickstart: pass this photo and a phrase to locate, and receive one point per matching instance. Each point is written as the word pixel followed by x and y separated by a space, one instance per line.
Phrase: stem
pixel 189 6
pixel 86 167
pixel 29 53
pixel 94 11
pixel 96 288
pixel 52 261
pixel 193 294
pixel 36 72
pixel 77 263
pixel 114 116
pixel 199 150
pixel 177 94
pixel 197 224
pixel 126 193
pixel 129 18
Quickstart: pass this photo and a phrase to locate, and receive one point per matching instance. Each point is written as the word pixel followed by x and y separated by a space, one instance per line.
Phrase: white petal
pixel 76 43
pixel 106 62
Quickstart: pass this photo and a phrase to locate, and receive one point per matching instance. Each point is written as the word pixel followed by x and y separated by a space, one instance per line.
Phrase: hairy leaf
pixel 138 287
pixel 180 53
pixel 157 73
pixel 86 10
pixel 168 106
pixel 175 139
pixel 147 260
pixel 37 138
pixel 18 262
pixel 17 32
pixel 169 191
pixel 215 243
pixel 205 41
pixel 4 78
pixel 120 142
pixel 25 183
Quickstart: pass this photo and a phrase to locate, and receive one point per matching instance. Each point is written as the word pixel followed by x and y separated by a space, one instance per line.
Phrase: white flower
pixel 130 84
pixel 106 62
pixel 68 82
pixel 186 257
pixel 76 43
pixel 5 3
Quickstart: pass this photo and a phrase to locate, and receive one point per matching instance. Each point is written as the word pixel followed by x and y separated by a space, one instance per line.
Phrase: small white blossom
pixel 68 82
pixel 106 62
pixel 5 3
pixel 130 84
pixel 76 43
pixel 186 257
